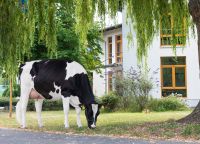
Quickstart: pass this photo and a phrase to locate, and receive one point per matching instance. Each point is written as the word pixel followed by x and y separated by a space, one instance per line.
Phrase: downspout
pixel 105 69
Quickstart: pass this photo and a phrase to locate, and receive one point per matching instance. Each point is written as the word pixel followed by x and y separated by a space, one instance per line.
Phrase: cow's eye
pixel 57 91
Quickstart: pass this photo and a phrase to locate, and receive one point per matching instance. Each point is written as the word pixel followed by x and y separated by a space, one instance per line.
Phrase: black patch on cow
pixel 46 74
pixel 78 85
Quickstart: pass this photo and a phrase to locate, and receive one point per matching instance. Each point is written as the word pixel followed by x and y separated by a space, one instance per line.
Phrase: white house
pixel 179 77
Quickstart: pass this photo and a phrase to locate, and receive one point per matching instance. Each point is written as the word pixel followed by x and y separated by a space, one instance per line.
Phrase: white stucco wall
pixel 129 50
pixel 100 81
pixel 99 78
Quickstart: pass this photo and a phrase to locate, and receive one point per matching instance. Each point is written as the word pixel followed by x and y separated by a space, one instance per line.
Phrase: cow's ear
pixel 81 106
pixel 100 105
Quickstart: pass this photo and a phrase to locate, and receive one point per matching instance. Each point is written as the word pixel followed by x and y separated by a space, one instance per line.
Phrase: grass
pixel 151 125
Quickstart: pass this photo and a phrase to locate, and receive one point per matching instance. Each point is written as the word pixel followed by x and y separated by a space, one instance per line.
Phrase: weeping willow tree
pixel 20 18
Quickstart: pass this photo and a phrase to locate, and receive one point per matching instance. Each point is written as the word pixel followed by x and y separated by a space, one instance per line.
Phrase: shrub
pixel 47 105
pixel 134 88
pixel 4 102
pixel 128 104
pixel 170 103
pixel 98 100
pixel 52 105
pixel 16 91
pixel 110 102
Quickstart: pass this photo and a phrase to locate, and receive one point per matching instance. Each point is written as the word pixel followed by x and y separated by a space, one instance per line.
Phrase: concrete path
pixel 11 136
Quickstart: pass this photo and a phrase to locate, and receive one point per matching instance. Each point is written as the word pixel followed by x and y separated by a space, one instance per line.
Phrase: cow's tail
pixel 18 112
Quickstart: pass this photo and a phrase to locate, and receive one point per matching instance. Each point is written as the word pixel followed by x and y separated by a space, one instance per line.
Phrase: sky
pixel 110 21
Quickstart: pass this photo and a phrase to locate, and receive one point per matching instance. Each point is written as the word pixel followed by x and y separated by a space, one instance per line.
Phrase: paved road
pixel 11 136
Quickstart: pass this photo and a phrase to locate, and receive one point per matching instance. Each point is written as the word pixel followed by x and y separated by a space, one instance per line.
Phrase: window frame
pixel 173 76
pixel 171 35
pixel 120 54
pixel 110 61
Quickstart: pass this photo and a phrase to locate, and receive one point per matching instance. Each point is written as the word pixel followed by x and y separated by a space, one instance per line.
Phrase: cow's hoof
pixel 93 126
pixel 66 127
pixel 23 127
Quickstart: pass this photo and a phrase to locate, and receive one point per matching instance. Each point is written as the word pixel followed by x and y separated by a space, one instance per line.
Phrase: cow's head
pixel 91 113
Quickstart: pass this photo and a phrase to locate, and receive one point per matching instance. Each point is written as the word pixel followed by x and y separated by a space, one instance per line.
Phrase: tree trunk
pixel 194 9
pixel 10 107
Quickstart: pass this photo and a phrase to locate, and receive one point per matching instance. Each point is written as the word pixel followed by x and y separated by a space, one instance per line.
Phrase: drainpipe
pixel 105 68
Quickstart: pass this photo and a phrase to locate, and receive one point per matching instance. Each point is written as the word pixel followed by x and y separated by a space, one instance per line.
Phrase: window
pixel 166 32
pixel 173 76
pixel 110 81
pixel 118 48
pixel 110 50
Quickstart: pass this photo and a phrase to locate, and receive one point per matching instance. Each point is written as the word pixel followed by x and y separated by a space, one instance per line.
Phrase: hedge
pixel 109 102
pixel 47 105
pixel 170 103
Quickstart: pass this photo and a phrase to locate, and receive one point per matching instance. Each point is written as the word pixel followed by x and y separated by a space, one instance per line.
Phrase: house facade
pixel 174 75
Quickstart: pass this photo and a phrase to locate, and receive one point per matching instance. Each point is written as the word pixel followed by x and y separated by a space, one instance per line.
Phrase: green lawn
pixel 154 124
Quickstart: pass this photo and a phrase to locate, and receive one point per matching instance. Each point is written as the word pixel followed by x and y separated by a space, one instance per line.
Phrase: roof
pixel 112 27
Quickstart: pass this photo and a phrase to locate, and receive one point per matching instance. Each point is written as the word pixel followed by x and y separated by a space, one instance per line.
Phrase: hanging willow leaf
pixel 84 17
pixel 146 17
pixel 51 29
pixel 143 20
pixel 42 17
pixel 11 38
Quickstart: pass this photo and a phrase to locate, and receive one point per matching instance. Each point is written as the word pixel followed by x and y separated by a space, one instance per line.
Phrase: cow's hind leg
pixel 25 91
pixel 78 116
pixel 19 113
pixel 38 107
pixel 66 110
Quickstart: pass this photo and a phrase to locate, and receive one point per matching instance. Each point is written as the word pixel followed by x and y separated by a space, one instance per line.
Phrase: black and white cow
pixel 56 79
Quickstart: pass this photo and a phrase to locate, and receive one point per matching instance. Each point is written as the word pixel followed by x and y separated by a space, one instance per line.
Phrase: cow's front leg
pixel 78 116
pixel 66 110
pixel 38 107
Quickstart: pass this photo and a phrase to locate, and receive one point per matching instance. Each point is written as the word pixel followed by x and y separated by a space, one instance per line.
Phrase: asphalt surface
pixel 12 136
